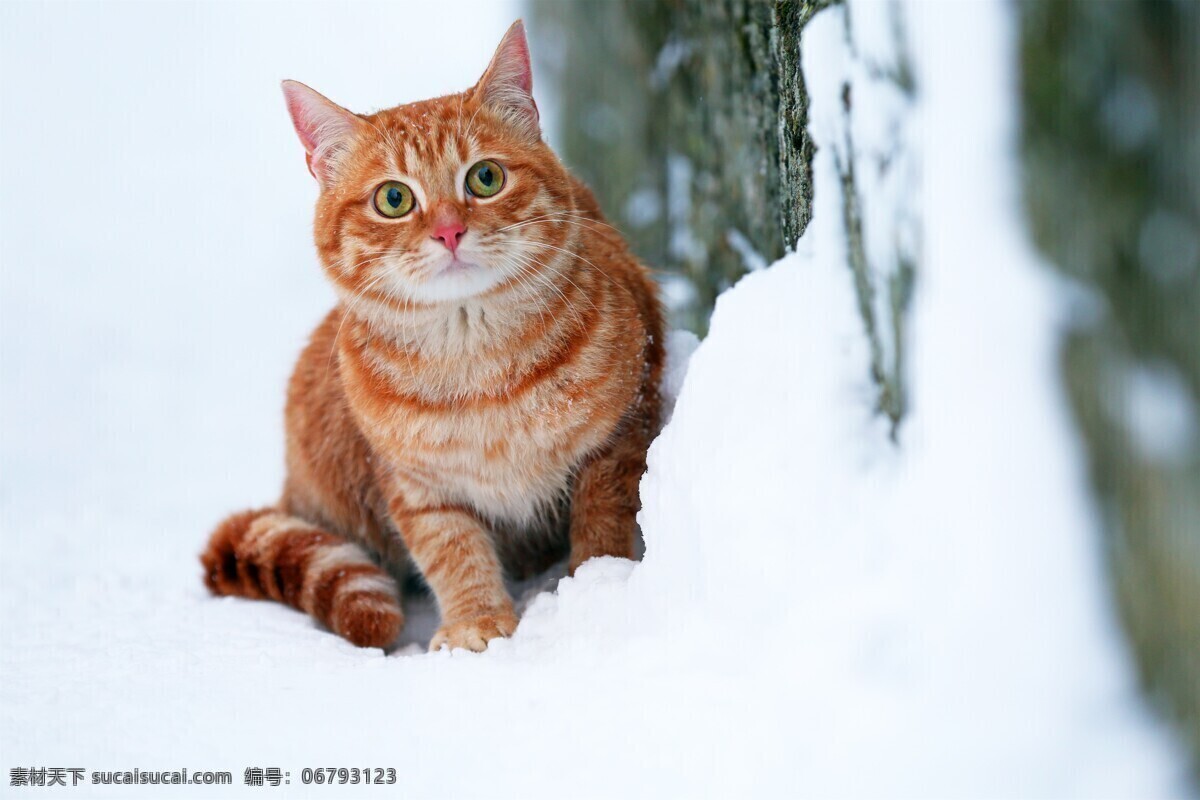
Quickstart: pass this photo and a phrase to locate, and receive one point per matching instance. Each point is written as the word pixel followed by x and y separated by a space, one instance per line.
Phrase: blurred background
pixel 157 275
pixel 693 136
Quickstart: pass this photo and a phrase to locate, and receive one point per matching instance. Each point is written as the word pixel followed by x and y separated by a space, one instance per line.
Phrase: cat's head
pixel 437 200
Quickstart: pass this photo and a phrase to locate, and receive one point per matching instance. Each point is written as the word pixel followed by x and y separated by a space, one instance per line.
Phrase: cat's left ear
pixel 507 84
pixel 325 129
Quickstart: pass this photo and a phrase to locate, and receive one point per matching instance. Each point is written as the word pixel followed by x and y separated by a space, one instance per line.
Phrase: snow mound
pixel 936 609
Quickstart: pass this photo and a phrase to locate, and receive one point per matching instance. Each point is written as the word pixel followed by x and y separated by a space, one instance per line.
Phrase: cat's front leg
pixel 451 547
pixel 605 502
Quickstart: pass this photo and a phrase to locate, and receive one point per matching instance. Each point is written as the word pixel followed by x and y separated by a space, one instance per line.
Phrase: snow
pixel 752 260
pixel 875 138
pixel 680 346
pixel 682 241
pixel 1154 405
pixel 819 612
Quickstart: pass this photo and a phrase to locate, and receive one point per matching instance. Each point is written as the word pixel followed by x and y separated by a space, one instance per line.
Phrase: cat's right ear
pixel 325 129
pixel 507 84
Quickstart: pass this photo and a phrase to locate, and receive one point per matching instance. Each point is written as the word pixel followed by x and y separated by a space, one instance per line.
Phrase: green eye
pixel 485 179
pixel 394 199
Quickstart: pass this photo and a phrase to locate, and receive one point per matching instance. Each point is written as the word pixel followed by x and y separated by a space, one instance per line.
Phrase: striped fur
pixel 459 413
pixel 269 555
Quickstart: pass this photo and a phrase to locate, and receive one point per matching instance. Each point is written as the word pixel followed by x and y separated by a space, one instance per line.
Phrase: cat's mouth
pixel 453 279
pixel 457 266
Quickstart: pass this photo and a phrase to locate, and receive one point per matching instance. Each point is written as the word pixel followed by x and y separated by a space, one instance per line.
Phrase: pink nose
pixel 451 234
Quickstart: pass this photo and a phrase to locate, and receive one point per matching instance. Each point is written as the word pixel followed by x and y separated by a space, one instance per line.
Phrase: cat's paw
pixel 474 633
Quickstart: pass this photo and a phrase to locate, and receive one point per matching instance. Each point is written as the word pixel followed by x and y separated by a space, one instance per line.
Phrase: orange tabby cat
pixel 483 394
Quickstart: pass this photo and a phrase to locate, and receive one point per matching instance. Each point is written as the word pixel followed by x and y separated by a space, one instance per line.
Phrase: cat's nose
pixel 450 233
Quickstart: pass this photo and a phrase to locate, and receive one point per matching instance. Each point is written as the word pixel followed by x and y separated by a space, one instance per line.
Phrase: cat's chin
pixel 458 280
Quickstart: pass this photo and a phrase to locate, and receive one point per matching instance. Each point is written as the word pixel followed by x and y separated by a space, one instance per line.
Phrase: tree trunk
pixel 1111 147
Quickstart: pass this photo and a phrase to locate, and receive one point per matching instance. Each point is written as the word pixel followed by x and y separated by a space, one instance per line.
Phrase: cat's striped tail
pixel 266 554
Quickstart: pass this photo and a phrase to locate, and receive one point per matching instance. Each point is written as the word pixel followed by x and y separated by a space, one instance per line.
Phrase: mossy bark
pixel 1111 144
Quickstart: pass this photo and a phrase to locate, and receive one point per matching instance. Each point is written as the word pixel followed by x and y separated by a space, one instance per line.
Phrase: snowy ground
pixel 819 613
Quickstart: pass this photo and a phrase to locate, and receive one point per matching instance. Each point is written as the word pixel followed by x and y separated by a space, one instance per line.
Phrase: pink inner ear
pixel 324 127
pixel 302 116
pixel 514 54
pixel 508 82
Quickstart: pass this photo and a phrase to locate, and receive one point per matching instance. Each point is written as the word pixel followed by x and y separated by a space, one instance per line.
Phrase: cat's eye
pixel 485 179
pixel 394 199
